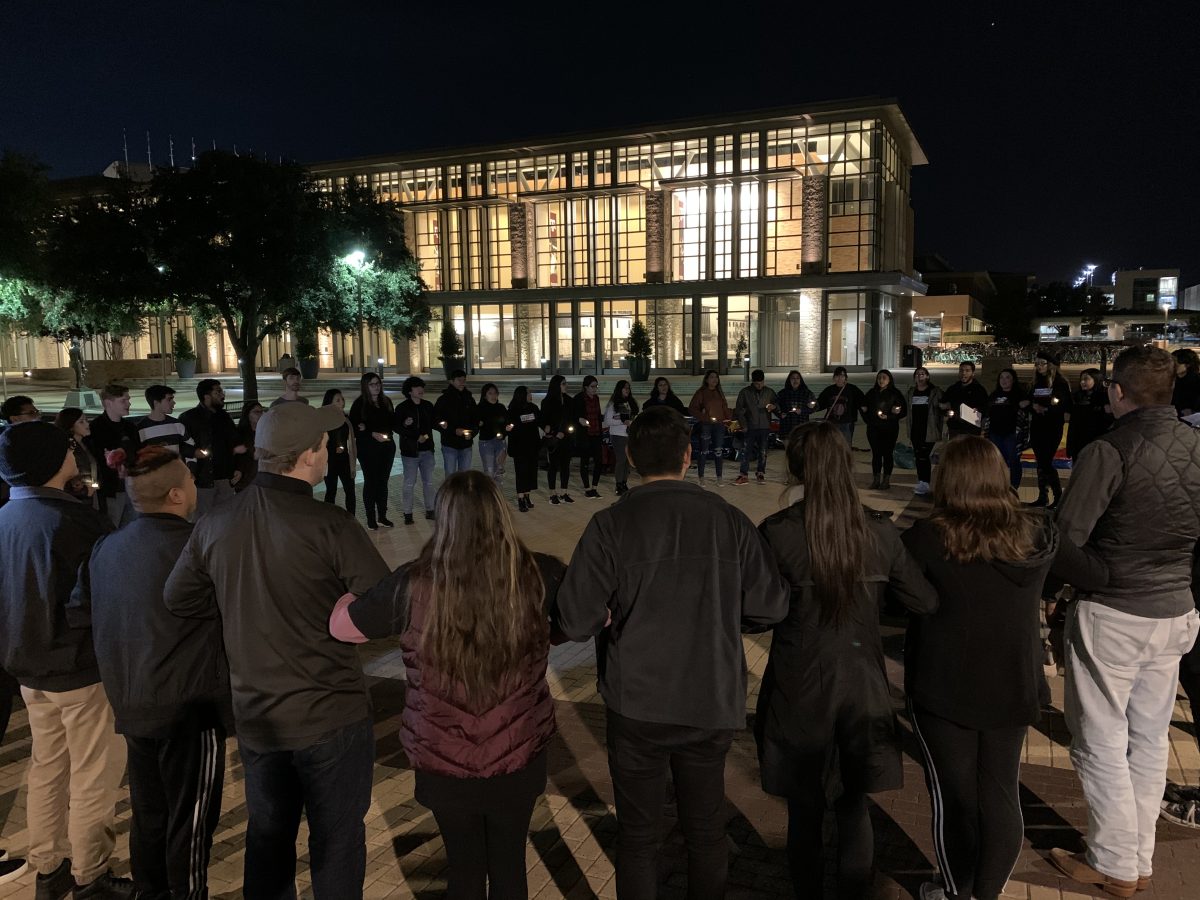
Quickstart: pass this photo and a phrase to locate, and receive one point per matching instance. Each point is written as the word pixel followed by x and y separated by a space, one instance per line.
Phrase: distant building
pixel 1142 290
pixel 951 312
pixel 1190 299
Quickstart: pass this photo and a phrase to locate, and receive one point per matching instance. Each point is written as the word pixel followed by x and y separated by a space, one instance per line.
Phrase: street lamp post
pixel 1166 308
pixel 356 260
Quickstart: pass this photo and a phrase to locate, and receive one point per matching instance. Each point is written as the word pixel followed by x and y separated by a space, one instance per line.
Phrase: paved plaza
pixel 571 844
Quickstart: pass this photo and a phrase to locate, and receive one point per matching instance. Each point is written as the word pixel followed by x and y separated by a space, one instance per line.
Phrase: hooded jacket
pixel 458 410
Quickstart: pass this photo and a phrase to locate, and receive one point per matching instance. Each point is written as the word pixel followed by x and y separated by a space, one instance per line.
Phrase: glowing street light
pixel 356 260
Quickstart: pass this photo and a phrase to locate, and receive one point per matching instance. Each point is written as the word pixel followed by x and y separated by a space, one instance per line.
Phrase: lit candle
pixel 881 414
pixel 443 424
pixel 896 410
pixel 1054 401
pixel 570 428
pixel 812 404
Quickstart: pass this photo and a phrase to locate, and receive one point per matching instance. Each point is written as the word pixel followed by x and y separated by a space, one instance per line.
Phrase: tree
pixel 256 247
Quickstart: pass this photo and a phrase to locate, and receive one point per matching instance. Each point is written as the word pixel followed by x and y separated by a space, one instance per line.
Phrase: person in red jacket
pixel 477 714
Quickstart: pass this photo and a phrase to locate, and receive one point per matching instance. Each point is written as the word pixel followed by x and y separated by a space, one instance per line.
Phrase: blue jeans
pixel 712 439
pixel 455 460
pixel 1007 445
pixel 421 463
pixel 489 455
pixel 755 448
pixel 847 431
pixel 330 783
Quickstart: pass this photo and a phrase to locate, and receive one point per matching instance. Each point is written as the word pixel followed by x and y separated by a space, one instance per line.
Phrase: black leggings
pixel 486 851
pixel 973 782
pixel 1044 443
pixel 340 471
pixel 376 458
pixel 882 439
pixel 594 453
pixel 806 848
pixel 560 463
pixel 922 451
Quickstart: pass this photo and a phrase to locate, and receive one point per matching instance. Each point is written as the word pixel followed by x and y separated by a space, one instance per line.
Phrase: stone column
pixel 812 336
pixel 520 233
pixel 814 216
pixel 655 237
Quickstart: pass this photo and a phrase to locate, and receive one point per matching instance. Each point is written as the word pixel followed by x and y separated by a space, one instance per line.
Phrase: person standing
pixel 111 430
pixel 670 704
pixel 825 710
pixel 300 700
pixel 925 418
pixel 160 427
pixel 1186 395
pixel 662 395
pixel 560 436
pixel 1051 406
pixel 456 419
pixel 414 425
pixel 492 426
pixel 1133 498
pixel 618 414
pixel 1006 406
pixel 165 676
pixel 343 455
pixel 77 760
pixel 291 388
pixel 589 435
pixel 1090 412
pixel 83 486
pixel 245 466
pixel 217 445
pixel 968 393
pixel 883 407
pixel 796 403
pixel 841 401
pixel 711 411
pixel 372 416
pixel 480 781
pixel 972 667
pixel 753 410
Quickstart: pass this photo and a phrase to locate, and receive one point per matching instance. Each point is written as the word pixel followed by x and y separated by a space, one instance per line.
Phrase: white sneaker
pixel 700 480
pixel 922 488
pixel 720 482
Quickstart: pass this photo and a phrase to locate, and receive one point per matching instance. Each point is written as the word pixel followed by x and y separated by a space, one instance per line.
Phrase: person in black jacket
pixel 371 415
pixel 841 401
pixel 972 668
pixel 414 424
pixel 456 418
pixel 218 445
pixel 560 435
pixel 524 442
pixel 45 536
pixel 166 677
pixel 342 454
pixel 882 408
pixel 1091 415
pixel 588 415
pixel 825 707
pixel 1051 397
pixel 1185 396
pixel 662 395
pixel 492 425
pixel 112 431
pixel 1005 407
pixel 969 393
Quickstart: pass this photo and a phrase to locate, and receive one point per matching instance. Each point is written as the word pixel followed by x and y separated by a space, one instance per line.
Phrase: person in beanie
pixel 753 409
pixel 77 760
pixel 165 676
pixel 271 566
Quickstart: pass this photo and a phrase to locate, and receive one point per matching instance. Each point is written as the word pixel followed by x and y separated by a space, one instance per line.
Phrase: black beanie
pixel 31 453
pixel 1049 357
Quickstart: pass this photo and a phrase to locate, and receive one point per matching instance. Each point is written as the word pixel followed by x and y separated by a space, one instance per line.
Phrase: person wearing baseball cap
pixel 45 535
pixel 272 563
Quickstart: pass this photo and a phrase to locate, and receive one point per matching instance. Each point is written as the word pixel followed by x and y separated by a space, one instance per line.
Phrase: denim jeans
pixel 489 456
pixel 330 782
pixel 712 440
pixel 422 463
pixel 1007 445
pixel 639 755
pixel 755 447
pixel 1122 677
pixel 847 430
pixel 455 460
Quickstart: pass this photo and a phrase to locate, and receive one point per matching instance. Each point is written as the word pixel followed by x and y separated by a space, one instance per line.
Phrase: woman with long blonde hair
pixel 477 713
pixel 973 668
pixel 825 704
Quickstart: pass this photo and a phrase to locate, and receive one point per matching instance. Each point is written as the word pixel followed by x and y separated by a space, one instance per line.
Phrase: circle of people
pixel 143 647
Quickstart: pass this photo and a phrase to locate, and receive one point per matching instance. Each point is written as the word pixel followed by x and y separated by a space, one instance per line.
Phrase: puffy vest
pixel 1149 533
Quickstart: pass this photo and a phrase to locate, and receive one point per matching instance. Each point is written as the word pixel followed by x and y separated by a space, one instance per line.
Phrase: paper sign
pixel 920 401
pixel 970 416
pixel 528 417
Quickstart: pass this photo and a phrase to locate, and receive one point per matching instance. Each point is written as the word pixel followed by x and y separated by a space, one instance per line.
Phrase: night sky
pixel 1058 133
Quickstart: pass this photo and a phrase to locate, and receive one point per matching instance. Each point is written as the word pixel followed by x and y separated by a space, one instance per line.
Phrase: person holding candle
pixel 371 414
pixel 341 454
pixel 83 486
pixel 796 403
pixel 589 434
pixel 883 407
pixel 1002 423
pixel 754 408
pixel 925 418
pixel 560 436
pixel 841 401
pixel 618 413
pixel 1091 415
pixel 969 393
pixel 524 442
pixel 711 410
pixel 414 424
pixel 457 420
pixel 493 428
pixel 1051 398
pixel 662 395
pixel 245 466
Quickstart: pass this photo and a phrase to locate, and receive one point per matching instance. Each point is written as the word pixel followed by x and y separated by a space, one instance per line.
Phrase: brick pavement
pixel 572 840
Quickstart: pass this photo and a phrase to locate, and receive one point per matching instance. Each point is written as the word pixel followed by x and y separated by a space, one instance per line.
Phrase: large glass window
pixel 849 331
pixel 428 247
pixel 454 247
pixel 689 231
pixel 564 336
pixel 499 248
pixel 579 211
pixel 669 324
pixel 532 334
pixel 748 231
pixel 852 223
pixel 510 335
pixel 741 336
pixel 550 225
pixel 723 230
pixel 784 226
pixel 631 239
pixel 710 334
pixel 602 238
pixel 779 330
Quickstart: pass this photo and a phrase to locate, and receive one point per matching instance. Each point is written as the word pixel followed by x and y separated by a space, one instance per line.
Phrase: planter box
pixel 186 368
pixel 639 369
pixel 450 365
pixel 309 368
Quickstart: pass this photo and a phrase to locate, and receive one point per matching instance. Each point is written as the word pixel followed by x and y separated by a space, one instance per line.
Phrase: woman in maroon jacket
pixel 477 714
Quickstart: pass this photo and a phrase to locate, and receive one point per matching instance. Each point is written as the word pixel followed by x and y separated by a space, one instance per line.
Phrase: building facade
pixel 784 237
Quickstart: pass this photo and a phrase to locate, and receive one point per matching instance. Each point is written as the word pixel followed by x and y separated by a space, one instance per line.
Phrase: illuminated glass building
pixel 784 236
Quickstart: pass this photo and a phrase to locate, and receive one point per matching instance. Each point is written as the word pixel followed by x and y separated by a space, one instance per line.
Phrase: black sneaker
pixel 11 869
pixel 408 519
pixel 529 502
pixel 371 526
pixel 554 500
pixel 429 514
pixel 107 887
pixel 522 506
pixel 386 522
pixel 57 885
pixel 592 494
pixel 1182 813
pixel 567 498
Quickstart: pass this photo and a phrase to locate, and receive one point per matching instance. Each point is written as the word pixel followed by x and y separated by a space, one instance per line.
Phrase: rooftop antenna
pixel 193 149
pixel 171 150
pixel 125 141
pixel 149 158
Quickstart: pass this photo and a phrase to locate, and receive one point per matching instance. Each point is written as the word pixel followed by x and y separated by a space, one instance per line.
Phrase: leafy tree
pixel 1009 316
pixel 26 207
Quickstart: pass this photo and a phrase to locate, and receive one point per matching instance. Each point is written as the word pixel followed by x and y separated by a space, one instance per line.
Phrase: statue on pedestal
pixel 75 353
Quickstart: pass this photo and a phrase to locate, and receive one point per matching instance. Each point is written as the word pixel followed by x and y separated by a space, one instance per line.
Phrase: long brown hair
pixel 485 594
pixel 979 516
pixel 834 523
